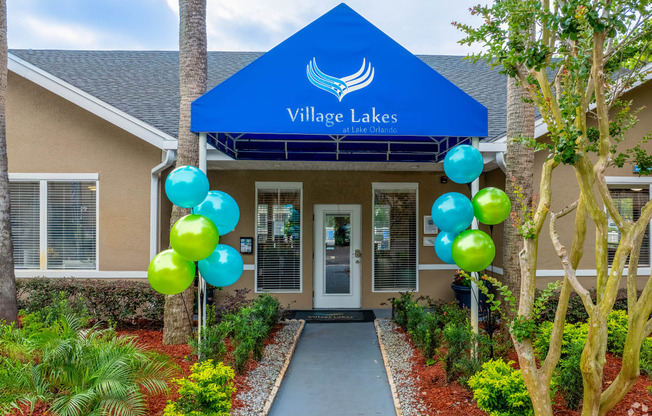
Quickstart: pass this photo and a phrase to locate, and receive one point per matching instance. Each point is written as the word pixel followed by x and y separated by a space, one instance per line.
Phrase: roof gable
pixel 329 78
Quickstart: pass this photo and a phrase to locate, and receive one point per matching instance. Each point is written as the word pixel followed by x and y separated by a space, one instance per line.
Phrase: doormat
pixel 333 315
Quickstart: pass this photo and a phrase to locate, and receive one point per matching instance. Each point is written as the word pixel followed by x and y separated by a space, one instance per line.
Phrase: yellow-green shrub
pixel 207 391
pixel 500 390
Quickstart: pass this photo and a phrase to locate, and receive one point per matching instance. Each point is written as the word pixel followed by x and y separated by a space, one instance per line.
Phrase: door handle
pixel 357 253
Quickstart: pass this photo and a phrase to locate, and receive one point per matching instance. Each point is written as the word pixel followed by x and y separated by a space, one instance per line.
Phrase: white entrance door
pixel 337 256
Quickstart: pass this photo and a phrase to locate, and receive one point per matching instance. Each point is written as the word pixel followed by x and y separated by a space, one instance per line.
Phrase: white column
pixel 475 187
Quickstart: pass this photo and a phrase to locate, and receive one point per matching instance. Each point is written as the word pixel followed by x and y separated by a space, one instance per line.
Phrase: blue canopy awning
pixel 339 89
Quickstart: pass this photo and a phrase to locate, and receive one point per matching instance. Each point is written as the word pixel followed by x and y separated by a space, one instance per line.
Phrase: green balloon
pixel 194 237
pixel 491 206
pixel 169 273
pixel 473 250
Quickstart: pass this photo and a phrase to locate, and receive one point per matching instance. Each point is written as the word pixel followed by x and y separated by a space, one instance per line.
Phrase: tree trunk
pixel 8 305
pixel 519 162
pixel 192 84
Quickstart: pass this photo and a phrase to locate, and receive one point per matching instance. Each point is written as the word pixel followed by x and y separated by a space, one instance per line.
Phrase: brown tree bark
pixel 192 84
pixel 8 305
pixel 519 162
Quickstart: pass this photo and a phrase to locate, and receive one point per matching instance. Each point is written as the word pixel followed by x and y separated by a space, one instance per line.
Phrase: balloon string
pixel 183 298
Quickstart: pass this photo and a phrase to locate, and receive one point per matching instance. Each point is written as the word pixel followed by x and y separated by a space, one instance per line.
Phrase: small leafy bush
pixel 400 308
pixel 58 308
pixel 459 362
pixel 77 371
pixel 569 376
pixel 500 390
pixel 230 304
pixel 576 312
pixel 119 301
pixel 645 361
pixel 208 390
pixel 212 345
pixel 617 329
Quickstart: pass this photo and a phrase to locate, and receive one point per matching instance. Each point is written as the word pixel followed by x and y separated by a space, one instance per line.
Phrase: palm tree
pixel 519 163
pixel 192 84
pixel 8 305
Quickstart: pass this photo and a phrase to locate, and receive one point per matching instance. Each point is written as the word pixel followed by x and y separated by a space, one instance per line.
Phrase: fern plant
pixel 77 371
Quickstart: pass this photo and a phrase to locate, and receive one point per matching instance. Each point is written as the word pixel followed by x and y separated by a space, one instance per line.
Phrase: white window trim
pixel 394 185
pixel 81 274
pixel 43 179
pixel 278 185
pixel 632 181
pixel 54 177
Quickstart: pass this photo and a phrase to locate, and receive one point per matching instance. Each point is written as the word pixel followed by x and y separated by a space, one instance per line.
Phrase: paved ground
pixel 336 370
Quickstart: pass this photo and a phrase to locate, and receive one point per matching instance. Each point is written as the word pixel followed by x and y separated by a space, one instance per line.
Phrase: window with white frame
pixel 395 237
pixel 54 222
pixel 629 200
pixel 278 237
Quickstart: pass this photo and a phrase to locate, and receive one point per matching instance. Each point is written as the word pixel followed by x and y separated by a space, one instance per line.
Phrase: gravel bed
pixel 261 380
pixel 399 356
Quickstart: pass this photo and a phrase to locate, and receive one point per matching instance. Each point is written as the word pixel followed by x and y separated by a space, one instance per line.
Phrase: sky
pixel 422 26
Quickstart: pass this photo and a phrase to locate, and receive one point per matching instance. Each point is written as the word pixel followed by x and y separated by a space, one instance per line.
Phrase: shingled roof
pixel 145 84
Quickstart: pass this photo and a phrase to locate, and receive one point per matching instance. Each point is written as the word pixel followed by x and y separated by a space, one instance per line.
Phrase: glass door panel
pixel 337 254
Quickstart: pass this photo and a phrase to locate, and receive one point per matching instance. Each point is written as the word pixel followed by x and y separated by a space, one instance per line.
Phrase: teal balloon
pixel 491 206
pixel 186 186
pixel 463 164
pixel 220 208
pixel 473 250
pixel 194 237
pixel 169 273
pixel 443 246
pixel 452 212
pixel 223 267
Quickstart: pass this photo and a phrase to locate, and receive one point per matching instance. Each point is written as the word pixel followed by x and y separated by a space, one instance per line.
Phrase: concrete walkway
pixel 336 370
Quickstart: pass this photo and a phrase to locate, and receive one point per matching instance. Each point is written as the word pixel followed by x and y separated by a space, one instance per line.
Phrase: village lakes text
pixel 308 114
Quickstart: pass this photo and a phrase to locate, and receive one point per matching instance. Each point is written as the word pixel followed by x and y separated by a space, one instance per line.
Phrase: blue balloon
pixel 186 186
pixel 222 268
pixel 443 245
pixel 452 212
pixel 463 164
pixel 222 209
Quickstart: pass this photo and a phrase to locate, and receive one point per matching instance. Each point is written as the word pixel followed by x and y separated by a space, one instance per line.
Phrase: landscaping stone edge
pixel 388 371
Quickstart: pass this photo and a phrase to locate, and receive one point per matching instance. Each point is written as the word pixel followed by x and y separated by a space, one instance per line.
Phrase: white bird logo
pixel 339 87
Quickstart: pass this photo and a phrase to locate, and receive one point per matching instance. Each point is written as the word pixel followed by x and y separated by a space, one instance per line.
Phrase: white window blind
pixel 72 222
pixel 395 239
pixel 278 241
pixel 57 219
pixel 25 230
pixel 629 202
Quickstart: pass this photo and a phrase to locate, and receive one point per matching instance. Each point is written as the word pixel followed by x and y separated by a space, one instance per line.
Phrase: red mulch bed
pixel 455 400
pixel 153 339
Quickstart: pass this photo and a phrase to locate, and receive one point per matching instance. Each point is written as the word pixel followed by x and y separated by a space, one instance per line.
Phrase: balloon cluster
pixel 195 237
pixel 471 250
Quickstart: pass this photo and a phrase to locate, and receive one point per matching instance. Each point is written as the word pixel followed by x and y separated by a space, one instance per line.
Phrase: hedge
pixel 121 301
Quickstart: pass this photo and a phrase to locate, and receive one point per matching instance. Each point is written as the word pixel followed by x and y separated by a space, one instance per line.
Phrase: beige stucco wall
pixel 48 134
pixel 566 191
pixel 337 187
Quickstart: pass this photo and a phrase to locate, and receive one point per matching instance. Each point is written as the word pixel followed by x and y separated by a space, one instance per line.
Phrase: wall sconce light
pixel 443 179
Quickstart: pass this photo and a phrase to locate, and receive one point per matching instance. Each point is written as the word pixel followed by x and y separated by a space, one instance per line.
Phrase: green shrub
pixel 569 376
pixel 459 362
pixel 576 312
pixel 212 346
pixel 119 301
pixel 249 328
pixel 58 308
pixel 78 371
pixel 427 334
pixel 400 308
pixel 645 361
pixel 500 390
pixel 617 329
pixel 207 391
